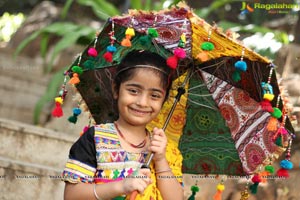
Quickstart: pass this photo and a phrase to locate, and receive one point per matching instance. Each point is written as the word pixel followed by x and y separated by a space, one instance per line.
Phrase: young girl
pixel 105 162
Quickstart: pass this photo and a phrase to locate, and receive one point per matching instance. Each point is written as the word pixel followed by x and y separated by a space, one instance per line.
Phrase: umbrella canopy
pixel 219 122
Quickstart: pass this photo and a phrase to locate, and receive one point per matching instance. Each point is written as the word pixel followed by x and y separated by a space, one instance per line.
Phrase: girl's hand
pixel 137 183
pixel 158 144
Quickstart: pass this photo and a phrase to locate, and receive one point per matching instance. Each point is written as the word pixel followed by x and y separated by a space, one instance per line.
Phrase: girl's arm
pixel 83 191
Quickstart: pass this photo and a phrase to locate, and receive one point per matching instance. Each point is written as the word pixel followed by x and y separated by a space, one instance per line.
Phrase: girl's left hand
pixel 158 144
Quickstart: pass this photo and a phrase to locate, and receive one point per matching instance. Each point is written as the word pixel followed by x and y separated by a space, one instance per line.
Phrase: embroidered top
pixel 97 157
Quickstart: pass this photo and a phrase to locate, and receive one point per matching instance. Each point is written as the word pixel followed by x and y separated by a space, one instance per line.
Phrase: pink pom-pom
pixel 108 56
pixel 92 52
pixel 256 179
pixel 85 129
pixel 266 106
pixel 282 131
pixel 180 53
pixel 172 62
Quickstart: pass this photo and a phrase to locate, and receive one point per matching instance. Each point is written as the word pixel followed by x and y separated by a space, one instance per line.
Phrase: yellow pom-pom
pixel 59 100
pixel 130 31
pixel 269 96
pixel 183 38
pixel 220 187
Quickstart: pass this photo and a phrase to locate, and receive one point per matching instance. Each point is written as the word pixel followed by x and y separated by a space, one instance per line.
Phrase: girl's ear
pixel 114 91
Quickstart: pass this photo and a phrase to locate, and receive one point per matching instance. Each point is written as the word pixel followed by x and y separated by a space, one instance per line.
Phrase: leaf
pixel 66 9
pixel 49 95
pixel 136 4
pixel 26 41
pixel 44 44
pixel 60 28
pixel 69 39
pixel 101 8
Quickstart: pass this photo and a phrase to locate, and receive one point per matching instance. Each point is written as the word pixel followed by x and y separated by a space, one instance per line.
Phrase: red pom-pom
pixel 57 111
pixel 108 56
pixel 283 173
pixel 256 179
pixel 266 106
pixel 172 62
pixel 179 53
pixel 92 52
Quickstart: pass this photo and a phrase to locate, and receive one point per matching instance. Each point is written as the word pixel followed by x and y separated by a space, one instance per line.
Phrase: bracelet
pixel 161 171
pixel 95 193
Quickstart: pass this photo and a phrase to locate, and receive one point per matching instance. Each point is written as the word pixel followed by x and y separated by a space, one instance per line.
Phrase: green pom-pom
pixel 253 188
pixel 77 69
pixel 152 32
pixel 145 40
pixel 207 46
pixel 195 188
pixel 72 119
pixel 270 168
pixel 277 113
pixel 236 76
pixel 89 64
pixel 181 44
pixel 278 141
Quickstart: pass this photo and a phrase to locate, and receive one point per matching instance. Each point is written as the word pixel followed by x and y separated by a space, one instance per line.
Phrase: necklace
pixel 139 146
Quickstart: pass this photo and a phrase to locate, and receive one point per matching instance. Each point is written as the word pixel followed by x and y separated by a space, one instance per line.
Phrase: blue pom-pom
pixel 241 65
pixel 111 48
pixel 286 164
pixel 76 111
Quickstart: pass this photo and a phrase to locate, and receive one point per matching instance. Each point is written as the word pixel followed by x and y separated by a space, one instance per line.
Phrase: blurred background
pixel 40 39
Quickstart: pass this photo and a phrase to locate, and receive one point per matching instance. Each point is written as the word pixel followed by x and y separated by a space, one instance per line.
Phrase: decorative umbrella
pixel 231 119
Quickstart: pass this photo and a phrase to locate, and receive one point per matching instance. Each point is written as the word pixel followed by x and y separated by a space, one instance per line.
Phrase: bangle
pixel 161 171
pixel 95 193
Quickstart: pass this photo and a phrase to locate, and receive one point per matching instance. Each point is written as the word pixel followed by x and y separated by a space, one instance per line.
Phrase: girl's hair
pixel 138 59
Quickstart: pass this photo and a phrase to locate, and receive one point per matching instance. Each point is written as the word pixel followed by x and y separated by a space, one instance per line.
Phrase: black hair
pixel 126 69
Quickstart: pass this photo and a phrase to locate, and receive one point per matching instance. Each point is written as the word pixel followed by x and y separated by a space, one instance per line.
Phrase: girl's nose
pixel 142 100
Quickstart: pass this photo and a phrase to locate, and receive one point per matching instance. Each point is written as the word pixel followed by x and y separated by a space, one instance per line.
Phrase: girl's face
pixel 140 98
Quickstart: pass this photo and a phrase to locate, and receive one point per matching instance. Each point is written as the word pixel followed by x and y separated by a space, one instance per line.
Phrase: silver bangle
pixel 95 193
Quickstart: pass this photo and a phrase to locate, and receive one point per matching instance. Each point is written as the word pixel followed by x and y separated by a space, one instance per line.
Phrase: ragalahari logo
pixel 246 8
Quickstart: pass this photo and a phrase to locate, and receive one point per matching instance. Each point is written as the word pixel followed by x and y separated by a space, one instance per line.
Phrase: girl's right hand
pixel 137 183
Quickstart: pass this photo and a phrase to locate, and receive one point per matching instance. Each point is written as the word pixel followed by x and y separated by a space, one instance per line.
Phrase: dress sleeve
pixel 81 165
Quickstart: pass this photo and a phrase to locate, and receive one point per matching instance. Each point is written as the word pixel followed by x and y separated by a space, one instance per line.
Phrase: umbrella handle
pixel 133 195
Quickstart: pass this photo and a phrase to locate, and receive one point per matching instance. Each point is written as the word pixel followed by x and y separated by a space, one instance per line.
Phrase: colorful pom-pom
pixel 108 56
pixel 220 189
pixel 270 169
pixel 253 188
pixel 58 99
pixel 283 173
pixel 266 106
pixel 286 164
pixel 203 56
pixel 278 141
pixel 72 119
pixel 241 65
pixel 276 113
pixel 111 48
pixel 89 64
pixel 172 62
pixel 76 111
pixel 180 53
pixel 152 32
pixel 207 46
pixel 75 79
pixel 92 52
pixel 77 69
pixel 145 40
pixel 130 31
pixel 268 97
pixel 126 41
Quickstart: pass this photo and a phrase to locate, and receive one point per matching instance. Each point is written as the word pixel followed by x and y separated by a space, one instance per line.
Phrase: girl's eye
pixel 156 96
pixel 133 91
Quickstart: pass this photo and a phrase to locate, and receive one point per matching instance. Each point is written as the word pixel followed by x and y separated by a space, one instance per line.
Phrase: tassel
pixel 194 190
pixel 92 52
pixel 145 40
pixel 267 91
pixel 77 69
pixel 283 173
pixel 180 53
pixel 130 31
pixel 220 189
pixel 270 169
pixel 126 41
pixel 89 64
pixel 152 32
pixel 276 113
pixel 256 179
pixel 85 129
pixel 57 111
pixel 266 106
pixel 74 80
pixel 272 124
pixel 73 118
pixel 236 76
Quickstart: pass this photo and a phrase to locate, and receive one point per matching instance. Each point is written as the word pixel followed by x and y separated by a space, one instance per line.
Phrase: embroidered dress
pixel 97 157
